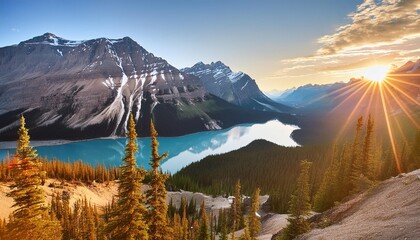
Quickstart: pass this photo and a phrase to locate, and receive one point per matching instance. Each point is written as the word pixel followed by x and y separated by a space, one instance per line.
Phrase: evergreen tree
pixel 236 208
pixel 204 229
pixel 212 235
pixel 299 204
pixel 184 225
pixel 222 225
pixel 127 219
pixel 414 155
pixel 194 230
pixel 177 228
pixel 247 234
pixel 30 219
pixel 367 156
pixel 253 218
pixel 156 196
pixel 356 164
pixel 327 193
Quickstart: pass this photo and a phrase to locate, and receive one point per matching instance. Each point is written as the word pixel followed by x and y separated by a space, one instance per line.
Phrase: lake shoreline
pixel 11 145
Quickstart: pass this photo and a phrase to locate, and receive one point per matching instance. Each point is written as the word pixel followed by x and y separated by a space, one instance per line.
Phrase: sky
pixel 280 43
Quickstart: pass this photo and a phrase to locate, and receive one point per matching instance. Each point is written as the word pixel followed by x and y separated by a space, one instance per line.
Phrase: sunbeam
pixel 388 125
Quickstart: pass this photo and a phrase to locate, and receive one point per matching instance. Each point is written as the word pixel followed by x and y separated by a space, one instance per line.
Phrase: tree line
pixel 132 214
pixel 338 169
pixel 77 171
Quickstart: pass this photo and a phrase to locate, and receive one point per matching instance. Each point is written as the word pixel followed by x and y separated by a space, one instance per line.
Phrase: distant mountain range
pixel 86 89
pixel 316 94
pixel 305 95
pixel 235 87
pixel 324 110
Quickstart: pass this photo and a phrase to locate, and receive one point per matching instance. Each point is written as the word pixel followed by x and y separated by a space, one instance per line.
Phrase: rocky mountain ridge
pixel 235 87
pixel 86 89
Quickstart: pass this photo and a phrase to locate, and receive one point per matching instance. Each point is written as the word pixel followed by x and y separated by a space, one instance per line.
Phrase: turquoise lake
pixel 182 150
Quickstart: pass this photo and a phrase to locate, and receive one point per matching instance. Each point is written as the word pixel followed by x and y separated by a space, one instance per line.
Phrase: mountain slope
pixel 86 89
pixel 305 95
pixel 388 211
pixel 235 87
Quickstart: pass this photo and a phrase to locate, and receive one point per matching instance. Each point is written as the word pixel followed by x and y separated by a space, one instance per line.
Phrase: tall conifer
pixel 156 196
pixel 236 209
pixel 299 204
pixel 204 226
pixel 128 217
pixel 367 156
pixel 356 164
pixel 253 218
pixel 30 219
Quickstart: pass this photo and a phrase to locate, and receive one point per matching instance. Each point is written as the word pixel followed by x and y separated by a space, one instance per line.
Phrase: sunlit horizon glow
pixel 376 73
pixel 383 93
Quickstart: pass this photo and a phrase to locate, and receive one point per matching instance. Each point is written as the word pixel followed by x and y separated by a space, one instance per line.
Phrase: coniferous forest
pixel 339 169
pixel 329 174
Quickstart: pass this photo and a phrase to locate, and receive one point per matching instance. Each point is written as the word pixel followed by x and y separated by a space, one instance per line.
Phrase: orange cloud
pixel 375 23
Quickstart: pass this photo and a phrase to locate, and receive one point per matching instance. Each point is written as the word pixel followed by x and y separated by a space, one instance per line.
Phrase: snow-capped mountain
pixel 235 87
pixel 86 89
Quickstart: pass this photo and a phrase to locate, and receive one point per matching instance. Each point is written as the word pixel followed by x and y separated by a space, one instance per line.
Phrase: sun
pixel 376 73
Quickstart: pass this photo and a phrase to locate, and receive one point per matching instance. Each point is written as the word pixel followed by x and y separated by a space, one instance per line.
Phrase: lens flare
pixel 376 73
pixel 392 98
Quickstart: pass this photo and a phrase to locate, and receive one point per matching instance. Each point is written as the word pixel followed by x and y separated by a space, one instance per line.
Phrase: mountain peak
pixel 48 38
pixel 218 64
pixel 49 35
pixel 52 39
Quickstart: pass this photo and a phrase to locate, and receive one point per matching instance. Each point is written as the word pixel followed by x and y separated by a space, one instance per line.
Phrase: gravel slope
pixel 390 210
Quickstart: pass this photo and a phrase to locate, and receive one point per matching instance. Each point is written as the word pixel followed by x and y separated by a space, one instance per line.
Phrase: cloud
pixel 375 22
pixel 385 32
pixel 378 60
pixel 15 30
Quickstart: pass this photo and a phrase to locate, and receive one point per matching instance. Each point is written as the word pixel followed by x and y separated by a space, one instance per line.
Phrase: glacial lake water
pixel 182 150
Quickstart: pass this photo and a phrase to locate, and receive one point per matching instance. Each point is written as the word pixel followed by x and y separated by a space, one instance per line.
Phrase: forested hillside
pixel 274 168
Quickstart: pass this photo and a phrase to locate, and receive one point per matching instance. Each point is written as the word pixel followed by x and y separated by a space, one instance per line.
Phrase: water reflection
pixel 182 150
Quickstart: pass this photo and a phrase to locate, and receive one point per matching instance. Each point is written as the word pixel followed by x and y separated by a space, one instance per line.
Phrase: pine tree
pixel 177 227
pixel 414 155
pixel 236 208
pixel 127 219
pixel 194 230
pixel 299 204
pixel 222 225
pixel 204 228
pixel 212 235
pixel 327 193
pixel 356 164
pixel 247 234
pixel 30 220
pixel 253 218
pixel 184 224
pixel 156 196
pixel 367 156
pixel 89 218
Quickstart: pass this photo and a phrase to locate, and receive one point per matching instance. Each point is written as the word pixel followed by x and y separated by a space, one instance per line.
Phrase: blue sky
pixel 261 38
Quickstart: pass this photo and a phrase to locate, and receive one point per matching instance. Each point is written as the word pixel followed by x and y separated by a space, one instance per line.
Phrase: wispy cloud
pixel 15 30
pixel 375 23
pixel 380 32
